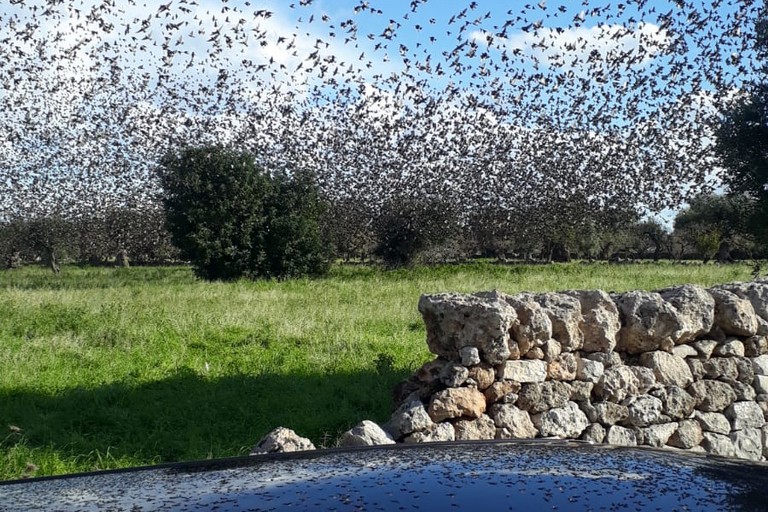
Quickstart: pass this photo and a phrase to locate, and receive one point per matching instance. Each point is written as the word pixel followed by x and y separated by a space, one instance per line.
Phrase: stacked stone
pixel 683 367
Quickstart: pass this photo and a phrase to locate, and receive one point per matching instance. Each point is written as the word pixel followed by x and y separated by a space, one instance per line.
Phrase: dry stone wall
pixel 684 367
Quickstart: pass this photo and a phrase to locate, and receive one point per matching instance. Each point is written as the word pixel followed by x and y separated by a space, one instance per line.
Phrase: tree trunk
pixel 122 259
pixel 724 252
pixel 52 262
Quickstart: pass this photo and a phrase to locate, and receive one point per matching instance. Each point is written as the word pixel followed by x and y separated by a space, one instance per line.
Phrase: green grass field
pixel 106 368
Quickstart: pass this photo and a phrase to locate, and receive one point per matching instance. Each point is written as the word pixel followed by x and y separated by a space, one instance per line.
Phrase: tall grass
pixel 105 368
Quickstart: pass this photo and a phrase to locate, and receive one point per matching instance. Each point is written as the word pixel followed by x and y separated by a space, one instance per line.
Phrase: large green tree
pixel 232 219
pixel 742 138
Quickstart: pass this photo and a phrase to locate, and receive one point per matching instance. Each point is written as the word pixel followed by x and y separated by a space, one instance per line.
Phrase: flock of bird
pixel 611 103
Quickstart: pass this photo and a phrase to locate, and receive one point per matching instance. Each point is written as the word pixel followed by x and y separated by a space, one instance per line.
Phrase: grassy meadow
pixel 105 368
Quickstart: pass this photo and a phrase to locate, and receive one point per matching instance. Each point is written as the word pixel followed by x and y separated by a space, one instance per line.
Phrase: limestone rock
pixel 469 356
pixel 581 391
pixel 650 323
pixel 609 413
pixel 755 346
pixel 564 312
pixel 723 368
pixel 705 347
pixel 735 316
pixel 760 365
pixel 761 384
pixel 535 353
pixel 454 375
pixel 713 422
pixel 616 383
pixel 755 292
pixel 729 348
pixel 711 395
pixel 541 396
pixel 533 326
pixel 697 368
pixel 658 435
pixel 718 444
pixel 563 422
pixel 498 389
pixel 551 349
pixel 608 359
pixel 744 392
pixel 456 402
pixel 282 440
pixel 408 418
pixel 687 435
pixel 365 433
pixel 695 308
pixel 524 371
pixel 646 379
pixel 436 433
pixel 668 369
pixel 588 370
pixel 746 371
pixel 745 415
pixel 594 433
pixel 621 436
pixel 643 410
pixel 600 320
pixel 483 375
pixel 470 430
pixel 684 351
pixel 747 443
pixel 455 321
pixel 516 423
pixel 678 404
pixel 563 367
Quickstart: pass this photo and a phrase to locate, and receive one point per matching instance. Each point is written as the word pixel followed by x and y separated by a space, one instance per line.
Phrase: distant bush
pixel 231 219
pixel 407 228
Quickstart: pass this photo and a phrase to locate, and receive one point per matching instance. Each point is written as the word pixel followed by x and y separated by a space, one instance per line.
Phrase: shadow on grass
pixel 189 416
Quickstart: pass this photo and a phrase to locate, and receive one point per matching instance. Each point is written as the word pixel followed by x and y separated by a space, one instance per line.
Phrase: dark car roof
pixel 493 475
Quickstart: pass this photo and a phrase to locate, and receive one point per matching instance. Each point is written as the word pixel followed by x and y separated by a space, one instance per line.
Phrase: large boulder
pixel 745 415
pixel 658 435
pixel 687 435
pixel 564 422
pixel 533 326
pixel 513 423
pixel 678 403
pixel 756 292
pixel 600 320
pixel 734 315
pixel 455 321
pixel 650 323
pixel 668 369
pixel 609 413
pixel 713 422
pixel 644 410
pixel 365 433
pixel 565 314
pixel 616 384
pixel 541 396
pixel 621 436
pixel 711 395
pixel 282 440
pixel 436 433
pixel 695 308
pixel 522 371
pixel 456 402
pixel 472 430
pixel 408 418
